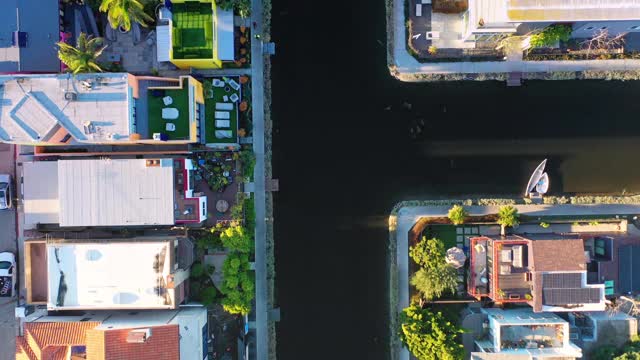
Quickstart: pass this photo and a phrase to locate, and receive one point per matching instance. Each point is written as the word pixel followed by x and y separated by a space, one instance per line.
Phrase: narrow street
pixel 8 243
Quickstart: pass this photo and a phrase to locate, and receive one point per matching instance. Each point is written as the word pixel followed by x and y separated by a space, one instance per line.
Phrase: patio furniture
pixel 224 115
pixel 433 35
pixel 170 113
pixel 171 127
pixel 217 83
pixel 227 89
pixel 234 84
pixel 225 98
pixel 209 94
pixel 224 106
pixel 167 100
pixel 222 205
pixel 234 97
pixel 426 1
pixel 517 256
pixel 505 269
pixel 224 134
pixel 223 123
pixel 505 256
pixel 418 9
pixel 160 137
pixel 608 287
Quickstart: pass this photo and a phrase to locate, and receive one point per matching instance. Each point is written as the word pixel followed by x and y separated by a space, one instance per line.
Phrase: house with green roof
pixel 195 34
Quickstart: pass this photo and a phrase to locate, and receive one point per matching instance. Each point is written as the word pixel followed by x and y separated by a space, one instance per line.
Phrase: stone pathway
pixel 135 58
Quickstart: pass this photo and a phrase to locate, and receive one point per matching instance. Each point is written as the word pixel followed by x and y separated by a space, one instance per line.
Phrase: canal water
pixel 350 142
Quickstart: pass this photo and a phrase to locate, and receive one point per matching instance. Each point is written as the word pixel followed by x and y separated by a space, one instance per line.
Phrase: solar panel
pixel 571 296
pixel 562 281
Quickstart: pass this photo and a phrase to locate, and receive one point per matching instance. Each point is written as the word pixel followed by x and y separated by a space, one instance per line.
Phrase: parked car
pixel 7 274
pixel 5 192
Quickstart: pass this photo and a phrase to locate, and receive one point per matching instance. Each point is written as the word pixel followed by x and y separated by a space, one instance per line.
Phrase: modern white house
pixel 111 193
pixel 486 20
pixel 162 334
pixel 100 274
pixel 523 334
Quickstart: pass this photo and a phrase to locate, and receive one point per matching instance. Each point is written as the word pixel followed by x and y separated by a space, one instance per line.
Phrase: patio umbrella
pixel 456 257
pixel 222 206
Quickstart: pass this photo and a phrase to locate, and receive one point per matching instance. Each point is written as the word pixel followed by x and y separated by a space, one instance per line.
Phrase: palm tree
pixel 122 12
pixel 83 57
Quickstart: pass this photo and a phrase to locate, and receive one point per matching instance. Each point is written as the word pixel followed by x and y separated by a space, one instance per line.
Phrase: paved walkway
pixel 257 101
pixel 407 64
pixel 408 216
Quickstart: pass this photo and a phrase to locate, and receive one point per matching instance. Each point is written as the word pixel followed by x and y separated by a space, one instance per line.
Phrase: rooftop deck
pixel 192 30
pixel 180 102
pixel 59 109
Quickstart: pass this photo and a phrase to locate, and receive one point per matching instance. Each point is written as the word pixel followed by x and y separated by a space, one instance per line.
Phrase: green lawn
pixel 446 233
pixel 158 125
pixel 210 109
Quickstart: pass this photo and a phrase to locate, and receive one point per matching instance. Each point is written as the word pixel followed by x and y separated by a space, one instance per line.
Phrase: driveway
pixel 7 243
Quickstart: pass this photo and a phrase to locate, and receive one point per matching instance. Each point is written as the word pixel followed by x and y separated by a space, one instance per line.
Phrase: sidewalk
pixel 407 64
pixel 408 216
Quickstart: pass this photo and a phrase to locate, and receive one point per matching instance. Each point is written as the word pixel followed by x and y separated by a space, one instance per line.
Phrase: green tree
pixel 550 35
pixel 236 238
pixel 457 214
pixel 208 296
pixel 507 216
pixel 435 276
pixel 432 284
pixel 83 57
pixel 122 13
pixel 241 7
pixel 429 335
pixel 238 285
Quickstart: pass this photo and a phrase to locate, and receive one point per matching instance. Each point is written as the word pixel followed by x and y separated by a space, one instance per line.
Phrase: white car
pixel 5 192
pixel 7 274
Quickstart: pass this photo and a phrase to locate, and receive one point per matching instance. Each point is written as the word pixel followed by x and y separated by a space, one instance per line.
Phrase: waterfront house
pixel 546 271
pixel 195 34
pixel 100 109
pixel 111 193
pixel 488 20
pixel 115 335
pixel 523 334
pixel 108 274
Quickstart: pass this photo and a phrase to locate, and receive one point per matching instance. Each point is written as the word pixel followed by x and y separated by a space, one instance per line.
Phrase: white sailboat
pixel 539 181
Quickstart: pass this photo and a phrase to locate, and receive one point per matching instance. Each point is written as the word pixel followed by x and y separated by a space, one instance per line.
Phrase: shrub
pixel 544 225
pixel 550 36
pixel 235 238
pixel 457 214
pixel 429 335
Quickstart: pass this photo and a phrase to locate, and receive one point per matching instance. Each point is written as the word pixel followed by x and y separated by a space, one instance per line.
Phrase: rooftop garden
pixel 192 31
pixel 216 98
pixel 179 101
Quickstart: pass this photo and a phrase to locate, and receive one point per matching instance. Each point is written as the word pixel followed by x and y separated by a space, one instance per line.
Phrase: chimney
pixel 138 336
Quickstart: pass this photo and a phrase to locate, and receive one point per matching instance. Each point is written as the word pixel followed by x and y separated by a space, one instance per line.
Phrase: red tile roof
pixel 106 344
pixel 47 340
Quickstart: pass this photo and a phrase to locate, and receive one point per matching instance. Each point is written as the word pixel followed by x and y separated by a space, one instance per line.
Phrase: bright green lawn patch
pixel 192 31
pixel 446 233
pixel 210 109
pixel 158 125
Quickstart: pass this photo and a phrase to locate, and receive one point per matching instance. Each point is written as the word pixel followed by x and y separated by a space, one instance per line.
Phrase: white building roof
pixel 225 34
pixel 115 192
pixel 572 10
pixel 34 108
pixel 163 42
pixel 108 275
pixel 41 202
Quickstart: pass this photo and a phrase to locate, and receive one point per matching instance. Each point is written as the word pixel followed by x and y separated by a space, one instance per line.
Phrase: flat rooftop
pixel 100 192
pixel 86 108
pixel 572 10
pixel 109 275
pixel 40 21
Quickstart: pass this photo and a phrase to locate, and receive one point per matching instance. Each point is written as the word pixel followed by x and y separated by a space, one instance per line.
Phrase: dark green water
pixel 344 155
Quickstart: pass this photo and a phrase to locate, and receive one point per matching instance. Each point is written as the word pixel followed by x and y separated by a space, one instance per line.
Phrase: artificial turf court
pixel 192 31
